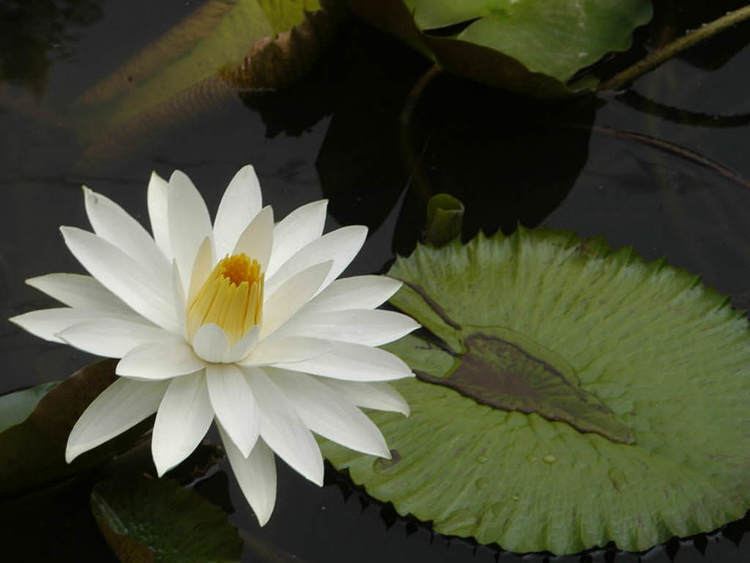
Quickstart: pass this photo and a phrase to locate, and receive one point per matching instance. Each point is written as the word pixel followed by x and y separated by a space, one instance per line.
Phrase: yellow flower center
pixel 231 297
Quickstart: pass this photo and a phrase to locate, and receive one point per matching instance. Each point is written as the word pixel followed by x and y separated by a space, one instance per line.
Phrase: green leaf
pixel 32 452
pixel 568 396
pixel 524 45
pixel 146 519
pixel 445 215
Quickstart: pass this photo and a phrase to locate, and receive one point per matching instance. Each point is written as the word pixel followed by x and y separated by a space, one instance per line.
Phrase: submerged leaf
pixel 524 45
pixel 146 519
pixel 32 452
pixel 568 396
pixel 223 47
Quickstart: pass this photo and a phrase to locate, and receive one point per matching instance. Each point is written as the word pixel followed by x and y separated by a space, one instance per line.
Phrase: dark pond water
pixel 664 167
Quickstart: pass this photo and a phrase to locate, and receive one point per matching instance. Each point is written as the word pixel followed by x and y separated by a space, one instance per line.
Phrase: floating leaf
pixel 524 45
pixel 16 407
pixel 568 396
pixel 32 452
pixel 146 519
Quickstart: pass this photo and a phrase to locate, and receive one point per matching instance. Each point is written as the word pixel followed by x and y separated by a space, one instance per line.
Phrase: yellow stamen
pixel 231 297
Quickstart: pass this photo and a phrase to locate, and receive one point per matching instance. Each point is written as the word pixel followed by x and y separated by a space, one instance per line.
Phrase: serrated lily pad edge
pixel 595 247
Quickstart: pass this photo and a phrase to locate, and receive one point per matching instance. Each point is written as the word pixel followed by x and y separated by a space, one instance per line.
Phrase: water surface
pixel 663 167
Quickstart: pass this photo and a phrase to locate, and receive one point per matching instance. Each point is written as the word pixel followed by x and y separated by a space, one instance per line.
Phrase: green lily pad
pixel 35 427
pixel 567 396
pixel 525 45
pixel 146 519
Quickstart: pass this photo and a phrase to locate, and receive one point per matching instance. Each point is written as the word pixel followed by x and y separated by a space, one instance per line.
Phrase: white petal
pixel 189 223
pixel 204 262
pixel 159 360
pixel 256 476
pixel 124 277
pixel 119 407
pixel 358 292
pixel 378 396
pixel 234 404
pixel 257 239
pixel 358 326
pixel 157 213
pixel 296 230
pixel 292 349
pixel 48 323
pixel 112 223
pixel 112 338
pixel 178 296
pixel 240 203
pixel 341 246
pixel 291 296
pixel 353 362
pixel 330 414
pixel 182 421
pixel 282 429
pixel 210 343
pixel 81 291
pixel 240 349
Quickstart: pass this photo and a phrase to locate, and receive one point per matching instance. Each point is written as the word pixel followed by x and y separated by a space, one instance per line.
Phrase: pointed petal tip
pixel 71 453
pixel 396 282
pixel 263 518
pixel 161 468
pixel 33 282
pixel 361 230
pixel 175 174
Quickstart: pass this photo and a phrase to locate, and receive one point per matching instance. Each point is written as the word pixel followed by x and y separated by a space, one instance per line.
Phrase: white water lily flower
pixel 242 322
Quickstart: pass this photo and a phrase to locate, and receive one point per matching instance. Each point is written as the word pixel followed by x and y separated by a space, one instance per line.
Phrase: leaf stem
pixel 675 149
pixel 663 54
pixel 410 156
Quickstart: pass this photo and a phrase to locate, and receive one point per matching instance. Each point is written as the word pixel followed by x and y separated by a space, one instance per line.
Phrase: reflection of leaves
pixel 652 350
pixel 266 552
pixel 146 519
pixel 220 49
pixel 360 164
pixel 32 453
pixel 684 117
pixel 31 29
pixel 509 160
pixel 525 45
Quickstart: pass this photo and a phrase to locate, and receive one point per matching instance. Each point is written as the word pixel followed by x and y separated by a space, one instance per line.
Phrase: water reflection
pixel 35 33
pixel 339 134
